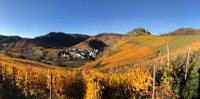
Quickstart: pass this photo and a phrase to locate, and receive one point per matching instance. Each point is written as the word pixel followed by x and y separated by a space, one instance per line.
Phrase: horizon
pixel 91 34
pixel 34 18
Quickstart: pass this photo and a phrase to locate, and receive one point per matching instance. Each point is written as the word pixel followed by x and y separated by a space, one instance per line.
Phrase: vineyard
pixel 144 73
pixel 99 49
pixel 122 82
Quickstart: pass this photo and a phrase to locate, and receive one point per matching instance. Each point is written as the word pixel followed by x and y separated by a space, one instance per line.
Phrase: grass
pixel 177 42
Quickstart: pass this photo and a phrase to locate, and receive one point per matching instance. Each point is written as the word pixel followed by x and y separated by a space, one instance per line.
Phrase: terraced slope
pixel 27 63
pixel 132 49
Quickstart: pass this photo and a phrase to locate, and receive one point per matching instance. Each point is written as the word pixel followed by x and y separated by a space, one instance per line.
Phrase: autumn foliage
pixel 124 72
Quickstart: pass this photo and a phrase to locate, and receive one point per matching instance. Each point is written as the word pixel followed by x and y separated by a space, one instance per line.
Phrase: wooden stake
pixel 13 78
pixel 187 64
pixel 199 83
pixel 51 76
pixel 5 75
pixel 96 91
pixel 26 79
pixel 1 75
pixel 154 81
pixel 168 57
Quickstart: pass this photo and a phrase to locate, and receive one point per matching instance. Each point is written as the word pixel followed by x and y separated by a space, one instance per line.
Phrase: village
pixel 64 56
pixel 69 53
pixel 78 54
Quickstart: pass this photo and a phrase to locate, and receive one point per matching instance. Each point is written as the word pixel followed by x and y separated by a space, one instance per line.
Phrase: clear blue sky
pixel 30 18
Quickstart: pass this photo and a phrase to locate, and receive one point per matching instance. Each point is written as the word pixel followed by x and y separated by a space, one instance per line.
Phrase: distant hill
pixel 102 40
pixel 50 40
pixel 99 41
pixel 184 31
pixel 138 32
pixel 59 39
pixel 9 39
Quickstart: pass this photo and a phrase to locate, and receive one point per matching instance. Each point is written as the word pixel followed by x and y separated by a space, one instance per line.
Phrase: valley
pixel 123 65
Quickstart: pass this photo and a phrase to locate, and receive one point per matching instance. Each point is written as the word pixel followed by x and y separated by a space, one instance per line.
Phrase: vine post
pixel 154 81
pixel 95 91
pixel 13 78
pixel 187 64
pixel 5 75
pixel 51 76
pixel 168 59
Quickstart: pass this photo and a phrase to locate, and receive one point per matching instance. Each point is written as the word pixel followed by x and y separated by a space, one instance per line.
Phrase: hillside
pixel 131 48
pixel 23 43
pixel 99 41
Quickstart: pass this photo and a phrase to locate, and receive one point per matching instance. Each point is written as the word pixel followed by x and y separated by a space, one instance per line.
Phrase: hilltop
pixel 138 32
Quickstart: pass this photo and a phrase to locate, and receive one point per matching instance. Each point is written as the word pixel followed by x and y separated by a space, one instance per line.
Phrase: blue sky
pixel 30 18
